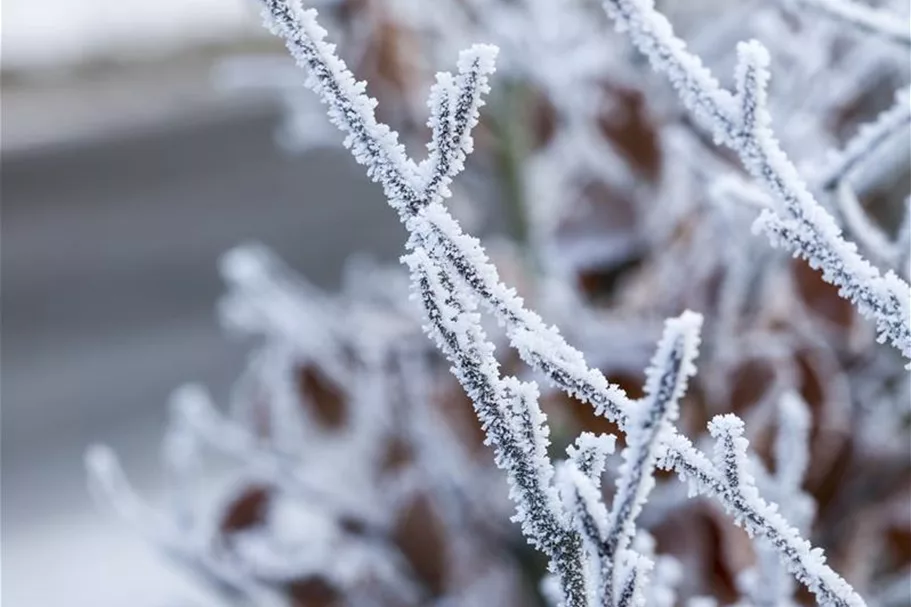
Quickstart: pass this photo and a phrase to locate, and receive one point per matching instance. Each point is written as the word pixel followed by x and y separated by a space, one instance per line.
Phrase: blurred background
pixel 126 172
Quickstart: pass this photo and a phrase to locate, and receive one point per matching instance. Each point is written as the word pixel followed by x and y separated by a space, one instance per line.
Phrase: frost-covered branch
pixel 633 588
pixel 589 454
pixel 511 418
pixel 868 235
pixel 872 20
pixel 373 143
pixel 772 586
pixel 582 500
pixel 757 516
pixel 455 107
pixel 109 485
pixel 731 452
pixel 667 376
pixel 742 123
pixel 870 137
pixel 608 536
pixel 456 257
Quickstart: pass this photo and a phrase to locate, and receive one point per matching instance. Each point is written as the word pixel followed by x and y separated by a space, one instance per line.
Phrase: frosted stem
pixel 799 223
pixel 874 21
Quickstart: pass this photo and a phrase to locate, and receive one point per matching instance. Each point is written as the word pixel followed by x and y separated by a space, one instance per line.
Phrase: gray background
pixel 119 192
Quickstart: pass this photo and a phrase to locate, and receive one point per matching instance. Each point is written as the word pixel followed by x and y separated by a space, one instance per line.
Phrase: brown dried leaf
pixel 750 381
pixel 314 592
pixel 543 118
pixel 397 455
pixel 820 297
pixel 624 120
pixel 459 412
pixel 324 399
pixel 249 509
pixel 420 536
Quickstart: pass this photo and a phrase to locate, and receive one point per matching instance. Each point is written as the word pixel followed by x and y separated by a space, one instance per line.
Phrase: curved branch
pixel 800 223
pixel 868 19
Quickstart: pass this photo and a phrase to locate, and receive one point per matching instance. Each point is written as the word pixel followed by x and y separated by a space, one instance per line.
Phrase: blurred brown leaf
pixel 821 297
pixel 624 120
pixel 249 509
pixel 420 536
pixel 324 399
pixel 314 592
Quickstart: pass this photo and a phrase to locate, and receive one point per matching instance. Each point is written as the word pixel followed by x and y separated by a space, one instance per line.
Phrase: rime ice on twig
pixel 868 235
pixel 445 256
pixel 741 123
pixel 433 227
pixel 632 591
pixel 510 416
pixel 771 586
pixel 870 137
pixel 609 535
pixel 373 144
pixel 109 485
pixel 876 21
pixel 455 105
pixel 867 147
pixel 667 376
pixel 731 452
pixel 589 454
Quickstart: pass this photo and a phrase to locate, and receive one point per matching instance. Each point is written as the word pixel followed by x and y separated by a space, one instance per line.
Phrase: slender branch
pixel 512 421
pixel 634 585
pixel 458 101
pixel 461 257
pixel 741 123
pixel 772 586
pixel 589 517
pixel 730 451
pixel 869 139
pixel 608 536
pixel 109 485
pixel 667 375
pixel 875 21
pixel 589 454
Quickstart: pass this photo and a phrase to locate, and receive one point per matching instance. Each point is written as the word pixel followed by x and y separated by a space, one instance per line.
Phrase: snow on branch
pixel 759 517
pixel 588 514
pixel 868 235
pixel 589 454
pixel 771 585
pixel 455 105
pixel 666 382
pixel 731 451
pixel 511 418
pixel 741 122
pixel 875 21
pixel 373 143
pixel 446 260
pixel 633 589
pixel 870 137
pixel 608 536
pixel 792 451
pixel 109 485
